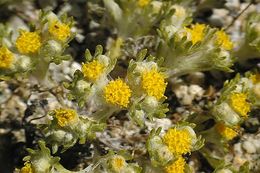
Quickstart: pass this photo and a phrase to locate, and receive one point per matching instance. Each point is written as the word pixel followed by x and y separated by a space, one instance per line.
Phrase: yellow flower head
pixel 143 3
pixel 65 116
pixel 28 42
pixel 118 93
pixel 196 32
pixel 255 78
pixel 176 167
pixel 153 83
pixel 92 70
pixel 59 30
pixel 6 57
pixel 223 40
pixel 27 168
pixel 118 163
pixel 239 104
pixel 179 141
pixel 225 131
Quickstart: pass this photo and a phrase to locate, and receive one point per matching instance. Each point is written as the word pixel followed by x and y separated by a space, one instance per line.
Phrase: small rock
pixel 249 147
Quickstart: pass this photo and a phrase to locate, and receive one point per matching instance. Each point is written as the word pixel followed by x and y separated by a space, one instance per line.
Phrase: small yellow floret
pixel 117 93
pixel 239 104
pixel 59 30
pixel 65 116
pixel 223 40
pixel 176 167
pixel 255 78
pixel 196 32
pixel 6 58
pixel 118 163
pixel 28 42
pixel 92 70
pixel 153 83
pixel 179 141
pixel 143 3
pixel 225 131
pixel 27 168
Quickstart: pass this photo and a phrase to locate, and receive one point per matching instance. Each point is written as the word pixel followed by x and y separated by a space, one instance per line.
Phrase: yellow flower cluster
pixel 6 57
pixel 28 42
pixel 153 83
pixel 27 168
pixel 118 163
pixel 176 167
pixel 92 70
pixel 65 116
pixel 196 32
pixel 225 131
pixel 179 141
pixel 59 31
pixel 239 104
pixel 118 93
pixel 143 3
pixel 223 40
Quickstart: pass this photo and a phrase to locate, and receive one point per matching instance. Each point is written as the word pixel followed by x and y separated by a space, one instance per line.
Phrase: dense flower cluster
pixel 177 166
pixel 28 42
pixel 60 31
pixel 153 82
pixel 6 58
pixel 178 141
pixel 117 93
pixel 32 50
pixel 92 70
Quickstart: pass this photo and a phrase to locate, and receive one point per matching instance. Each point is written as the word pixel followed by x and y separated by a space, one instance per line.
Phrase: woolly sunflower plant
pixel 166 150
pixel 34 49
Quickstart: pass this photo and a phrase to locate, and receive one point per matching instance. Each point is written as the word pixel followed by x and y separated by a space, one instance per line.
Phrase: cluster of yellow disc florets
pixel 65 116
pixel 177 166
pixel 28 42
pixel 196 32
pixel 223 40
pixel 59 31
pixel 225 131
pixel 118 93
pixel 6 57
pixel 27 168
pixel 153 83
pixel 92 70
pixel 240 104
pixel 179 141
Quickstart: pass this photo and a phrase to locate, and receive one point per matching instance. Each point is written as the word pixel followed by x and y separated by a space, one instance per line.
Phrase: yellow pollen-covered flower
pixel 239 104
pixel 65 116
pixel 255 78
pixel 92 70
pixel 28 42
pixel 118 93
pixel 118 163
pixel 59 30
pixel 196 32
pixel 176 167
pixel 179 141
pixel 223 40
pixel 6 57
pixel 153 83
pixel 225 131
pixel 27 168
pixel 143 3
